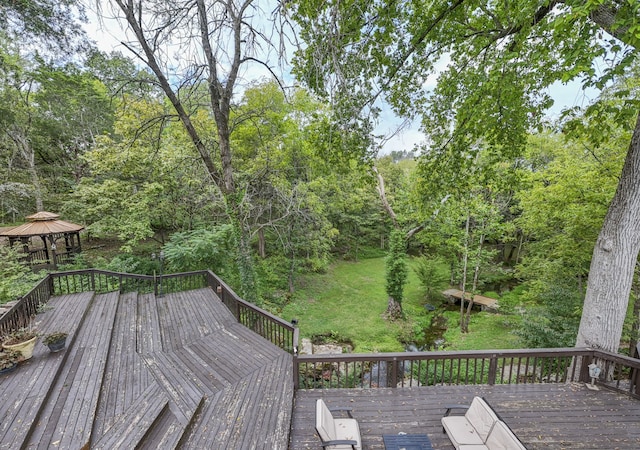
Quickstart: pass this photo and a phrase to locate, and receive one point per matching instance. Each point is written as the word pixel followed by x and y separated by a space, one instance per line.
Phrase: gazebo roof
pixel 42 224
pixel 42 215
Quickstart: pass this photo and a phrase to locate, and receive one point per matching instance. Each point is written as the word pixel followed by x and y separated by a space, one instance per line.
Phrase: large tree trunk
pixel 635 324
pixel 221 80
pixel 614 259
pixel 464 324
pixel 24 147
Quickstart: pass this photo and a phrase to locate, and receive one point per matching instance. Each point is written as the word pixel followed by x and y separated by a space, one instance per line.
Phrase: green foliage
pixel 489 89
pixel 128 263
pixel 201 249
pixel 562 209
pixel 396 266
pixel 432 274
pixel 16 277
pixel 53 22
pixel 554 322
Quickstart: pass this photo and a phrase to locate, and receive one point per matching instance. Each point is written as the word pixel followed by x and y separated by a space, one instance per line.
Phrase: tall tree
pixel 493 63
pixel 49 117
pixel 396 273
pixel 219 42
pixel 213 47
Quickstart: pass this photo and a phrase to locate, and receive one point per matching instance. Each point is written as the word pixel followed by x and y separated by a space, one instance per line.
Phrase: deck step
pixel 232 413
pixel 177 383
pixel 39 375
pixel 126 375
pixel 180 386
pixel 67 421
pixel 148 335
pixel 132 427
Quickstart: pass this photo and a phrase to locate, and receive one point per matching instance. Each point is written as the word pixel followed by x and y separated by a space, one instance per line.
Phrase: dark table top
pixel 406 442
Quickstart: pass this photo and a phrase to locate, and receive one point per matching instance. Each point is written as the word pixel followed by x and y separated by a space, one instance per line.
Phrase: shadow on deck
pixel 146 372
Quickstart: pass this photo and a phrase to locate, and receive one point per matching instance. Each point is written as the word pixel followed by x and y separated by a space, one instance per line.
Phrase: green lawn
pixel 349 301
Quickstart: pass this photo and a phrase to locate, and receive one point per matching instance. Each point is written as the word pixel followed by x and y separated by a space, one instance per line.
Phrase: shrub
pixel 432 274
pixel 16 277
pixel 554 323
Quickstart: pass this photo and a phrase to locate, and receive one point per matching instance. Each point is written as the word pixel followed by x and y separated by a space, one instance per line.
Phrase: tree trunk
pixel 474 287
pixel 20 139
pixel 635 324
pixel 394 309
pixel 464 325
pixel 262 246
pixel 614 259
pixel 221 89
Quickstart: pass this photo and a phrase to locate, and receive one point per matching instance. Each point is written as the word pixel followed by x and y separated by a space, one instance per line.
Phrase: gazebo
pixel 51 231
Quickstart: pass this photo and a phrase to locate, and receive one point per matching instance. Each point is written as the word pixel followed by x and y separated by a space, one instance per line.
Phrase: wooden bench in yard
pixel 480 428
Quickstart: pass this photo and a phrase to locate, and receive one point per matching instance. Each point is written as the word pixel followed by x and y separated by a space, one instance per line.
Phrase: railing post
pixel 635 381
pixel 392 381
pixel 296 372
pixel 493 369
pixel 50 286
pixel 584 368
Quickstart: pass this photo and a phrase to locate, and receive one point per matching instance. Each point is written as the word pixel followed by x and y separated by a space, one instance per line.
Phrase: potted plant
pixel 23 341
pixel 55 341
pixel 8 360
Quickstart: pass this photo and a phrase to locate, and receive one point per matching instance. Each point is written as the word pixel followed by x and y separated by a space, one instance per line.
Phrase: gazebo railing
pixel 270 327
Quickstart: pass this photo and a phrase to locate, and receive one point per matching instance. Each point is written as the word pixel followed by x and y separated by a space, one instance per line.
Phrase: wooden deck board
pixel 543 416
pixel 76 423
pixel 177 385
pixel 194 314
pixel 134 424
pixel 148 332
pixel 17 412
pixel 260 400
pixel 105 394
pixel 126 376
pixel 244 384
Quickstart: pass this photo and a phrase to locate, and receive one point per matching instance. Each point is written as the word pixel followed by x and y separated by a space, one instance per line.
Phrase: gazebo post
pixel 53 252
pixel 46 248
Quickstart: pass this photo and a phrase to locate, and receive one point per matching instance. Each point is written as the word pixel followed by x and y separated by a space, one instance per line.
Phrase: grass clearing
pixel 350 299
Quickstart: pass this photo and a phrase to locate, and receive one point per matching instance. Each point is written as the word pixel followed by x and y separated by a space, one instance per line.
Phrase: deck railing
pixel 272 328
pixel 560 365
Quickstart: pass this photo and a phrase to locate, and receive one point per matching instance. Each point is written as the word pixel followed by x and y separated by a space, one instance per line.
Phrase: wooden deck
pixel 180 372
pixel 147 372
pixel 543 416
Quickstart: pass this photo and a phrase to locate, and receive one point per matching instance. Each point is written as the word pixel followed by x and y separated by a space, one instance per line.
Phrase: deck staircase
pixel 142 371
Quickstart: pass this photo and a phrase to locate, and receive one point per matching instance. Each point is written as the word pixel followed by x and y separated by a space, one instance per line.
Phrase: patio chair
pixel 337 433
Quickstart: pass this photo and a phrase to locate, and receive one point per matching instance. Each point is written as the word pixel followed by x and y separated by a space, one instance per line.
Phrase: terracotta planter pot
pixel 25 348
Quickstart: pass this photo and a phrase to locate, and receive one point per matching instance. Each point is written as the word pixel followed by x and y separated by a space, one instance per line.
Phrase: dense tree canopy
pixel 52 22
pixel 214 163
pixel 492 63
